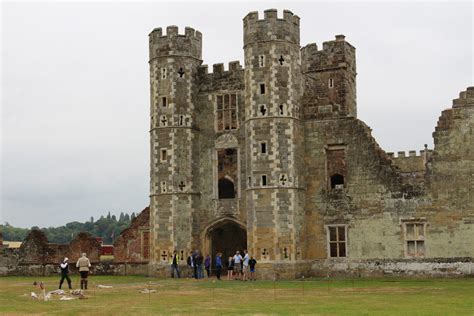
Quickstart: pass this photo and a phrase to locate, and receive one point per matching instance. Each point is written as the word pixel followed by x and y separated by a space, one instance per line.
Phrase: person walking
pixel 83 264
pixel 174 261
pixel 245 265
pixel 207 265
pixel 65 273
pixel 230 268
pixel 218 263
pixel 237 265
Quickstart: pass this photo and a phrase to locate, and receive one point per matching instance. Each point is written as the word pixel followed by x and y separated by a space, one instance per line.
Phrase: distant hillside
pixel 107 227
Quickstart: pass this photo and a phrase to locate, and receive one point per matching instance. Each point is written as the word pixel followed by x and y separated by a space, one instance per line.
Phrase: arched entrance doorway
pixel 226 236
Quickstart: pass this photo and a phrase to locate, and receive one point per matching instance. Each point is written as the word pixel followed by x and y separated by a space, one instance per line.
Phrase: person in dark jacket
pixel 198 265
pixel 207 265
pixel 65 273
pixel 190 262
pixel 218 265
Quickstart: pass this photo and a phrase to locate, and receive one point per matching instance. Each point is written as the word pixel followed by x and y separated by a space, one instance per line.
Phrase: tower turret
pixel 174 61
pixel 330 79
pixel 273 134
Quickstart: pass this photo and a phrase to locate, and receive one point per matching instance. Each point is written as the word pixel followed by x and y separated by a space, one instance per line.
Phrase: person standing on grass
pixel 252 263
pixel 218 263
pixel 83 264
pixel 245 265
pixel 237 265
pixel 190 263
pixel 230 268
pixel 199 261
pixel 174 260
pixel 65 273
pixel 207 265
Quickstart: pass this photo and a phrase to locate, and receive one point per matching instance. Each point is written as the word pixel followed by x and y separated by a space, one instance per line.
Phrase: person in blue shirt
pixel 218 265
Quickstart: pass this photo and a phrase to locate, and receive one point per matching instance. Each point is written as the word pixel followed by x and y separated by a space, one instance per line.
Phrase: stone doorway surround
pixel 226 235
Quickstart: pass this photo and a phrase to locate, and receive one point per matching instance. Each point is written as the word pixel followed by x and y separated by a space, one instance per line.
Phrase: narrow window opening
pixel 331 83
pixel 264 180
pixel 181 118
pixel 163 73
pixel 281 60
pixel 181 72
pixel 250 181
pixel 164 102
pixel 337 181
pixel 163 187
pixel 263 109
pixel 262 88
pixel 163 120
pixel 281 109
pixel 263 148
pixel 261 61
pixel 164 155
pixel 283 179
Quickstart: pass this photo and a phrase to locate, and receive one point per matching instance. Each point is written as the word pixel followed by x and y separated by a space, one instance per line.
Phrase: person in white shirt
pixel 65 273
pixel 237 265
pixel 245 265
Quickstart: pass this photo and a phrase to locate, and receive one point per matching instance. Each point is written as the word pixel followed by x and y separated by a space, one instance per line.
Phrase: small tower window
pixel 163 187
pixel 163 73
pixel 263 109
pixel 264 180
pixel 262 88
pixel 280 109
pixel 181 120
pixel 181 72
pixel 337 181
pixel 164 120
pixel 261 61
pixel 164 155
pixel 164 102
pixel 331 83
pixel 263 148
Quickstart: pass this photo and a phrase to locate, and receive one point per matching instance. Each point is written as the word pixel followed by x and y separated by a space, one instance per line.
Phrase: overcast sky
pixel 75 88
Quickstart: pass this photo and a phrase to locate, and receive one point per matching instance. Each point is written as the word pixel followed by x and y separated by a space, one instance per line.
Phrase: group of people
pixel 242 267
pixel 83 265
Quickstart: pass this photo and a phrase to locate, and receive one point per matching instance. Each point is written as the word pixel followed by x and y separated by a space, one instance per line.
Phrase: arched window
pixel 337 180
pixel 226 189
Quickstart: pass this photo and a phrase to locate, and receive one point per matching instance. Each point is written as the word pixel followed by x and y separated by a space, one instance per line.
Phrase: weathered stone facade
pixel 133 244
pixel 271 157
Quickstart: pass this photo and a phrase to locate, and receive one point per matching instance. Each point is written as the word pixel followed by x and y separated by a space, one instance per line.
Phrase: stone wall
pixel 133 243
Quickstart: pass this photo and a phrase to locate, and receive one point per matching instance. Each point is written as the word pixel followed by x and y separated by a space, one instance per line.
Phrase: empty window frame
pixel 226 111
pixel 414 239
pixel 264 180
pixel 262 88
pixel 263 147
pixel 337 241
pixel 164 102
pixel 337 181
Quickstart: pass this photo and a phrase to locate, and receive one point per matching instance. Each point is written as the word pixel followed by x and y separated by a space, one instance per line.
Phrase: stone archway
pixel 226 235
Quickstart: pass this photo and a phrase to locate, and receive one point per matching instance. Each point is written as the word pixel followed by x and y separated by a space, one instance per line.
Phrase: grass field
pixel 209 297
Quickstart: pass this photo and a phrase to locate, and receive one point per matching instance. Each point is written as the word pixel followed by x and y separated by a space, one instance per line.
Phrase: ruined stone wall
pixel 133 243
pixel 329 79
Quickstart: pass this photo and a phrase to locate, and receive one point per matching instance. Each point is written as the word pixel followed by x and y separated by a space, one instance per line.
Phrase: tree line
pixel 108 227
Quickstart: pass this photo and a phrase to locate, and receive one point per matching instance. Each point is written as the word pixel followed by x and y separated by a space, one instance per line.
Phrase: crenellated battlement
pixel 188 44
pixel 411 154
pixel 218 69
pixel 271 28
pixel 335 54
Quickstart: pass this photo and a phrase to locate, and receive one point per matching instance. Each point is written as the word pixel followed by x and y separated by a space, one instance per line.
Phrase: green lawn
pixel 209 297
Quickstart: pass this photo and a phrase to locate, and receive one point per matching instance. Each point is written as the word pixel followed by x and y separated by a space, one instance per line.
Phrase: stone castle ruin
pixel 271 157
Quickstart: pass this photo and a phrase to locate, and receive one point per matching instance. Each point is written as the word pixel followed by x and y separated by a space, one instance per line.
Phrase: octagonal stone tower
pixel 174 59
pixel 273 135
